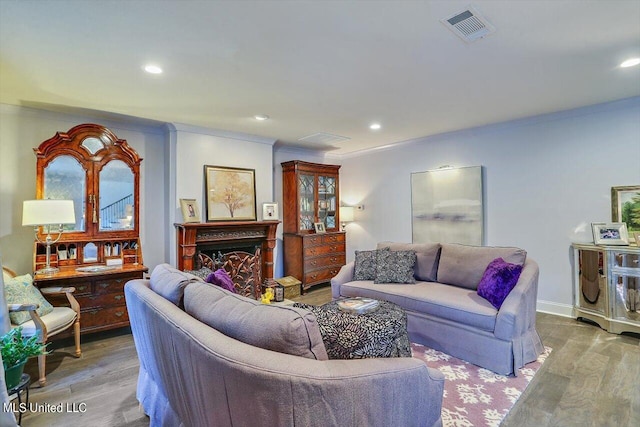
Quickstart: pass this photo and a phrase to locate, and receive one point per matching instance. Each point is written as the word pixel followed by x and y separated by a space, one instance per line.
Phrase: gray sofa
pixel 445 312
pixel 193 374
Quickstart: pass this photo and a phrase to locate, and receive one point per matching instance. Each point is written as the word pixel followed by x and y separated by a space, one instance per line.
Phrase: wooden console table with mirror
pixel 102 251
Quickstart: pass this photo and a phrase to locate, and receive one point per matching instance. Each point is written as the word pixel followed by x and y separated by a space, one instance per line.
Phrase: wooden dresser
pixel 314 258
pixel 100 295
pixel 314 246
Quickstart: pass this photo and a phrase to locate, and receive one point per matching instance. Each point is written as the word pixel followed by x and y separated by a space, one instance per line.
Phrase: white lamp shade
pixel 346 213
pixel 48 212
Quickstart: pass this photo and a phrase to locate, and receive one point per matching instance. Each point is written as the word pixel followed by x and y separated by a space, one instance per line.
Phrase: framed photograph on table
pixel 269 211
pixel 320 228
pixel 614 233
pixel 190 211
pixel 230 193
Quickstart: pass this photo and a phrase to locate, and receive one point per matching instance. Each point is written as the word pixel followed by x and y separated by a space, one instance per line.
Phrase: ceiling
pixel 317 66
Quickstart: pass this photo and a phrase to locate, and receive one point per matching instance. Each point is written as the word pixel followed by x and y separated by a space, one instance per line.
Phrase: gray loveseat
pixel 192 374
pixel 445 312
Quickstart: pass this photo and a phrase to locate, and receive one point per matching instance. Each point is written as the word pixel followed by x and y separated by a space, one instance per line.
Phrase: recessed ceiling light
pixel 261 117
pixel 375 126
pixel 630 62
pixel 153 69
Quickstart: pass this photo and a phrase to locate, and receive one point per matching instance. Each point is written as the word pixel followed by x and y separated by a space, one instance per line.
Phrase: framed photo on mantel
pixel 230 193
pixel 269 211
pixel 190 211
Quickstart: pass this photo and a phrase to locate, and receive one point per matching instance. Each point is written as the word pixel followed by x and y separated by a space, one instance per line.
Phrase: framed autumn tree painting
pixel 230 193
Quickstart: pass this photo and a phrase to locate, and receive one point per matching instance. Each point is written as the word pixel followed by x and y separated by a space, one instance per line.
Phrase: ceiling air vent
pixel 323 138
pixel 469 25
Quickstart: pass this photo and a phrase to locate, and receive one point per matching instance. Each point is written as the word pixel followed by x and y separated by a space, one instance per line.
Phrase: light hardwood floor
pixel 592 378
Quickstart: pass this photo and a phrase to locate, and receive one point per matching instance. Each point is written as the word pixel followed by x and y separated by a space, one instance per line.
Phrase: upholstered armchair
pixel 45 326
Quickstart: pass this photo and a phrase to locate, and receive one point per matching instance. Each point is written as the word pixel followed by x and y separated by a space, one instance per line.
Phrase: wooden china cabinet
pixel 100 252
pixel 311 196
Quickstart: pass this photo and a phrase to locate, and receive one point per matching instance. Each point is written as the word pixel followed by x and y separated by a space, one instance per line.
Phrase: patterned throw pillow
pixel 395 267
pixel 365 264
pixel 20 290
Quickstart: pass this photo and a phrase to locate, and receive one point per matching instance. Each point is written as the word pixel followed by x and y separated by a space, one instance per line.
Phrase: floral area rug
pixel 474 396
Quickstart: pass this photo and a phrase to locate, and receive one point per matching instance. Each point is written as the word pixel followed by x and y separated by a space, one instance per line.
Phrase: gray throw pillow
pixel 463 265
pixel 365 264
pixel 170 282
pixel 395 267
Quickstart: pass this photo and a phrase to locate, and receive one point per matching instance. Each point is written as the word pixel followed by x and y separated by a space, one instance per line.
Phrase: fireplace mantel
pixel 192 235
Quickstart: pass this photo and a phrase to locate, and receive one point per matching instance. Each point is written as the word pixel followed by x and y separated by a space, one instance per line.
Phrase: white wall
pixel 23 129
pixel 546 179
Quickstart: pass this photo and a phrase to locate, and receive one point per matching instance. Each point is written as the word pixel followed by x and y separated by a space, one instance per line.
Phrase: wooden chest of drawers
pixel 314 258
pixel 100 295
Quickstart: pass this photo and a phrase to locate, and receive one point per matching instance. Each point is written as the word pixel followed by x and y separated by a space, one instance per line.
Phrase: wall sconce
pixel 47 213
pixel 346 215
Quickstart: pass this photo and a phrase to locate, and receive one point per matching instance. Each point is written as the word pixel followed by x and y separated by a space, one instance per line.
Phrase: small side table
pixel 23 386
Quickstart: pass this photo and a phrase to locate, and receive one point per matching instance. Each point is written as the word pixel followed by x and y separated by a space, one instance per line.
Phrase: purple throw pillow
pixel 222 279
pixel 498 280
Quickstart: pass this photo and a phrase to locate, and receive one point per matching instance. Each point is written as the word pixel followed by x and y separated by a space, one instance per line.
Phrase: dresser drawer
pixel 319 276
pixel 101 317
pixel 110 285
pixel 83 286
pixel 324 250
pixel 101 300
pixel 312 240
pixel 333 238
pixel 324 261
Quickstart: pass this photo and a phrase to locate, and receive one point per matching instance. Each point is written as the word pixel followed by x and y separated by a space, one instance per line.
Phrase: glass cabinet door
pixel 327 201
pixel 65 178
pixel 306 190
pixel 116 204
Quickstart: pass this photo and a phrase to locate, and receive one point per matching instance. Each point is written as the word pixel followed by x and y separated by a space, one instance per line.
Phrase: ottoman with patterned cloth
pixel 380 333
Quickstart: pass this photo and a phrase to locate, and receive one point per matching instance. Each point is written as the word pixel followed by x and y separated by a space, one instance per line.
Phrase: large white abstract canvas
pixel 446 206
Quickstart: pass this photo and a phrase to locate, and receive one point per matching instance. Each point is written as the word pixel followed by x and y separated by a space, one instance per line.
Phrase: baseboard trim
pixel 549 307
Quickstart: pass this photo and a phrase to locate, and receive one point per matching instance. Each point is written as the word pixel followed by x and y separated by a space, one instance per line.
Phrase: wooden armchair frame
pixel 41 327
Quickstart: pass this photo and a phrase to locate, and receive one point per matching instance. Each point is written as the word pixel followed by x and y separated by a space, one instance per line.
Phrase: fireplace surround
pixel 224 237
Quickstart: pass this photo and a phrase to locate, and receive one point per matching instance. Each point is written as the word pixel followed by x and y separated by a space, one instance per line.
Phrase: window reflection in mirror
pixel 116 197
pixel 64 178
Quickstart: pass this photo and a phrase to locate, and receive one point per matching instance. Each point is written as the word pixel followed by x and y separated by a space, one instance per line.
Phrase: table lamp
pixel 346 215
pixel 48 213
